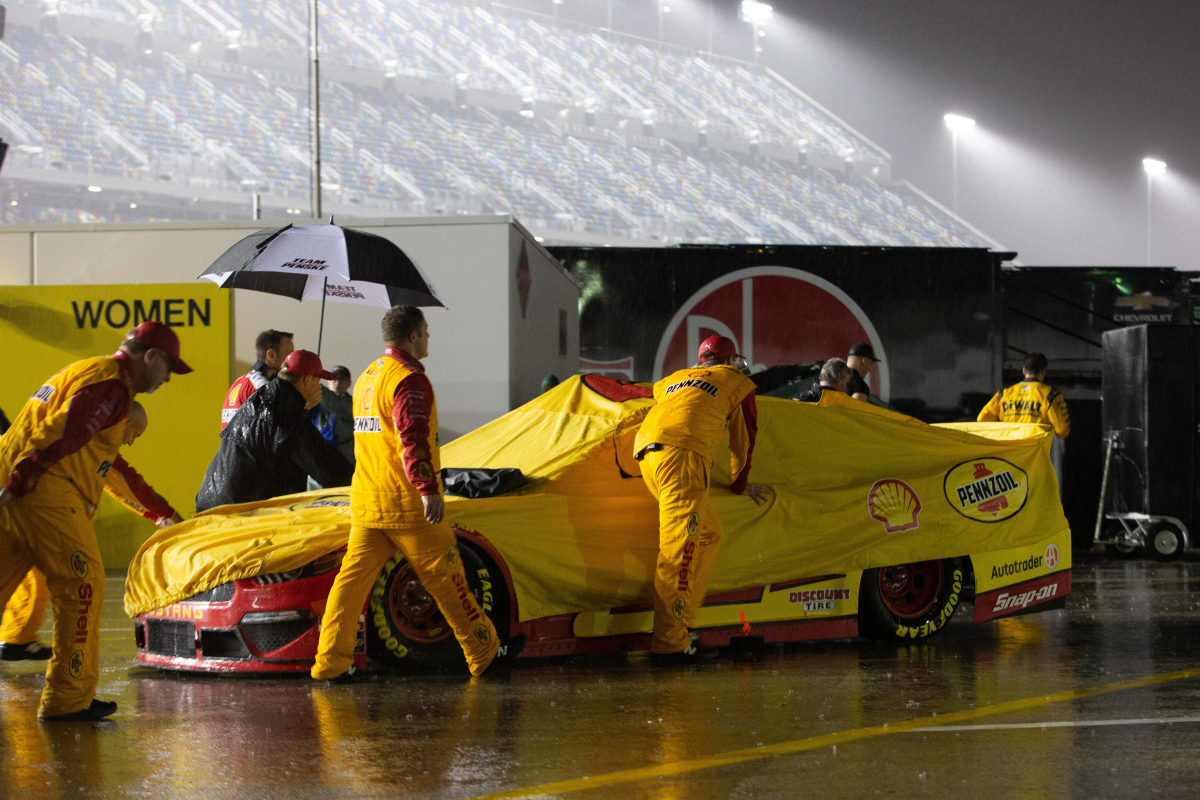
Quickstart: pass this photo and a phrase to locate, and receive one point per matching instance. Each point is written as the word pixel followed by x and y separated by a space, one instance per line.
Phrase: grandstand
pixel 183 108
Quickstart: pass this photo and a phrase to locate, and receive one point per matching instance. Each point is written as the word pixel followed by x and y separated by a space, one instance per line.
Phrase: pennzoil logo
pixel 75 664
pixel 692 524
pixel 987 489
pixel 482 634
pixel 42 395
pixel 367 425
pixel 679 608
pixel 452 557
pixel 79 564
pixel 328 501
pixel 894 504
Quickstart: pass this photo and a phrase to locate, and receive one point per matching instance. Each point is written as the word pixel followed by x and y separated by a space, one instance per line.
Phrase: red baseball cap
pixel 306 362
pixel 160 337
pixel 718 347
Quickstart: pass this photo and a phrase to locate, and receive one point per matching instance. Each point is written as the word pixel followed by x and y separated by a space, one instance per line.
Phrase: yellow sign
pixel 987 489
pixel 52 326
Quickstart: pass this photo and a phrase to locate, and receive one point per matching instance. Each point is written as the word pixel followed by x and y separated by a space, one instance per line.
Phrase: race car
pixel 878 525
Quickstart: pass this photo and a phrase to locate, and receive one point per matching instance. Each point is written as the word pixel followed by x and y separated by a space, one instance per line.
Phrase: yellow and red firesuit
pixel 26 609
pixel 58 455
pixel 693 409
pixel 1029 401
pixel 397 462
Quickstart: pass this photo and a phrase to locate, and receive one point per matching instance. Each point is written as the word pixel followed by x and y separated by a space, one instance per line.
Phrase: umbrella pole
pixel 321 330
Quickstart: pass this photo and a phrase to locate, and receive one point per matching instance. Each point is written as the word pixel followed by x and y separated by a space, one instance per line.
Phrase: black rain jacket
pixel 268 449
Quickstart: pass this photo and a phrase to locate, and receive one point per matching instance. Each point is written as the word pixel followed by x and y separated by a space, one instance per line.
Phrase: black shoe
pixel 34 651
pixel 510 648
pixel 692 654
pixel 352 675
pixel 99 709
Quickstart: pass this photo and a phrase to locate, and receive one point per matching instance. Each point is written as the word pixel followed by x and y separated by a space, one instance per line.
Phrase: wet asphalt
pixel 1029 707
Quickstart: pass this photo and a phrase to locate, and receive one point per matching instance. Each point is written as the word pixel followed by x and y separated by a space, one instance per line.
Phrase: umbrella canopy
pixel 324 262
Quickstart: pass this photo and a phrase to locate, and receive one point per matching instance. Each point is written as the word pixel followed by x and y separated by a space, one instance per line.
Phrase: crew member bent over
pixel 26 609
pixel 396 502
pixel 57 456
pixel 677 445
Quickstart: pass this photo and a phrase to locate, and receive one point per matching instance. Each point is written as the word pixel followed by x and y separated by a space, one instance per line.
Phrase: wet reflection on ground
pixel 450 736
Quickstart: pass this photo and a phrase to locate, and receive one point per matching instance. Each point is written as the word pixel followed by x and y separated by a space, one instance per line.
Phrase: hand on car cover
pixel 759 492
pixel 435 507
pixel 166 522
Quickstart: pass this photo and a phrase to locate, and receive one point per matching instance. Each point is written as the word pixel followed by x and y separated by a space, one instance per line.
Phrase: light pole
pixel 314 104
pixel 957 124
pixel 757 14
pixel 1153 167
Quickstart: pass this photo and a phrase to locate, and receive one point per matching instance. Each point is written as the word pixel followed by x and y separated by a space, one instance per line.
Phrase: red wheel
pixel 910 601
pixel 405 627
pixel 414 611
pixel 910 590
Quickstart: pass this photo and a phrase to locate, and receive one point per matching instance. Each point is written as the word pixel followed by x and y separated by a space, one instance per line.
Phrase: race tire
pixel 1165 542
pixel 405 628
pixel 1114 530
pixel 910 601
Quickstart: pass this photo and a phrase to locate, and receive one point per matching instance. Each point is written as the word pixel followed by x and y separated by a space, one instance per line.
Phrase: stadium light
pixel 1153 167
pixel 957 124
pixel 757 14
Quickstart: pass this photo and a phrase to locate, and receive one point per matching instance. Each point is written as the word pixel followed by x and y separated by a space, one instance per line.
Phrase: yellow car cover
pixel 855 487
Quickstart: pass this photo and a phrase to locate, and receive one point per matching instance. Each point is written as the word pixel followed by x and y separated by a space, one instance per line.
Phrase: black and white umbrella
pixel 326 263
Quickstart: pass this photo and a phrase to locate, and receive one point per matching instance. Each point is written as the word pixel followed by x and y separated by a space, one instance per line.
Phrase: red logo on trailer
pixel 1051 556
pixel 774 315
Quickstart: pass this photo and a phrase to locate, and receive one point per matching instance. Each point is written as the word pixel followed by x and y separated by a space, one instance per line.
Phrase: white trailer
pixel 512 316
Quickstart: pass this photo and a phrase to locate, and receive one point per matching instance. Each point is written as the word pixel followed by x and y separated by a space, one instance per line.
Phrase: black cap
pixel 341 372
pixel 864 350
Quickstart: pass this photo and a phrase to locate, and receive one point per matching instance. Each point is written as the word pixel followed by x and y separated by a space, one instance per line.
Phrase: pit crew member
pixel 835 375
pixel 26 609
pixel 271 347
pixel 58 455
pixel 1034 400
pixel 861 357
pixel 396 502
pixel 677 444
pixel 270 447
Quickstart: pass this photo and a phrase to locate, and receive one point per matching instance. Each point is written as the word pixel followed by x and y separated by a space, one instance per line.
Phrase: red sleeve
pixel 410 413
pixel 750 415
pixel 155 504
pixel 92 409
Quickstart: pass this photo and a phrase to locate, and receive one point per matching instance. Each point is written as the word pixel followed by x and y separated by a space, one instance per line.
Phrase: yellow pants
pixel 60 542
pixel 689 537
pixel 25 610
pixel 433 553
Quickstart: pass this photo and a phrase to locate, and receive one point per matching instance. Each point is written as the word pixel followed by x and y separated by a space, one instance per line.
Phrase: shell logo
pixel 894 503
pixel 1051 556
pixel 987 489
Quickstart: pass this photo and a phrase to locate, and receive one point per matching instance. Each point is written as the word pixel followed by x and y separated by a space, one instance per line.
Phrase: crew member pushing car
pixel 396 502
pixel 27 607
pixel 677 445
pixel 1034 400
pixel 57 456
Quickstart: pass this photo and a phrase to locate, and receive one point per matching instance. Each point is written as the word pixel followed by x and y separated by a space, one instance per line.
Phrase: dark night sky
pixel 1069 95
